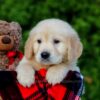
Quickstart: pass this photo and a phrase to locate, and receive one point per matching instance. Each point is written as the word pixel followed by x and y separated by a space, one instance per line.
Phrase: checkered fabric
pixel 69 89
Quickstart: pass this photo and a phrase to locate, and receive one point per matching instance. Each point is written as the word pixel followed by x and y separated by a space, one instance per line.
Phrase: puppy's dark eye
pixel 39 41
pixel 56 41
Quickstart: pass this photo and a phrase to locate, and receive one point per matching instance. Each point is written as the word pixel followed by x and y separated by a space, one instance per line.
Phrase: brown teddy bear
pixel 10 37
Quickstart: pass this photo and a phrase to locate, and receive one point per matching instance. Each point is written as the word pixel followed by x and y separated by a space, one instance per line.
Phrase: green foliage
pixel 83 15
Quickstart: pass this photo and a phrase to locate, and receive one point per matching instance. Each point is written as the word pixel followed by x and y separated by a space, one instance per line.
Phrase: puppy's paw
pixel 25 76
pixel 56 75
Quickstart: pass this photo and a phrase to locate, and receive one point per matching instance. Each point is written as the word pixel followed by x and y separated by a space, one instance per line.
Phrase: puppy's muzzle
pixel 45 55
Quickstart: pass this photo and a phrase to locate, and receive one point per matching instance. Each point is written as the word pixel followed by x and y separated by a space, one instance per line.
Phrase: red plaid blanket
pixel 69 89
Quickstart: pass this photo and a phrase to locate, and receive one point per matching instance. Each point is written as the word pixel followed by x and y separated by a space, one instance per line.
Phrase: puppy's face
pixel 52 44
pixel 49 48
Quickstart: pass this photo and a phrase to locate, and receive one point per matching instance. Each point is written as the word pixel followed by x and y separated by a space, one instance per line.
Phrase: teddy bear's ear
pixel 3 22
pixel 4 27
pixel 16 26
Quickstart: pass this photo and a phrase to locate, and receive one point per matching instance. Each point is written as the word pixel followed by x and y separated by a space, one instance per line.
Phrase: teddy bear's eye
pixel 39 41
pixel 56 41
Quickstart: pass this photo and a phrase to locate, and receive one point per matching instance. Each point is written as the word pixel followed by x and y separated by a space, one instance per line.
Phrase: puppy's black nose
pixel 6 40
pixel 45 55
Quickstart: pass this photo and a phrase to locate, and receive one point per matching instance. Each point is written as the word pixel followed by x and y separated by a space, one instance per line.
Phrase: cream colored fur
pixel 63 56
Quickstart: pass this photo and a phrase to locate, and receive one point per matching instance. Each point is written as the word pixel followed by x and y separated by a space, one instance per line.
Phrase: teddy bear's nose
pixel 6 40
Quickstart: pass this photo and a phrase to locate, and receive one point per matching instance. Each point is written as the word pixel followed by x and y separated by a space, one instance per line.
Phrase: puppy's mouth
pixel 48 60
pixel 45 61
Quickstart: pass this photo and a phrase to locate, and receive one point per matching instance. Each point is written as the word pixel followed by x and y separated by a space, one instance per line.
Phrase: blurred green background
pixel 83 15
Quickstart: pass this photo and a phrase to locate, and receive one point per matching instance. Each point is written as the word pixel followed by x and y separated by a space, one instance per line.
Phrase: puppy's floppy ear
pixel 74 48
pixel 28 48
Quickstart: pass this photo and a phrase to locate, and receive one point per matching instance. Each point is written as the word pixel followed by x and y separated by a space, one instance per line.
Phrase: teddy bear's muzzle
pixel 6 43
pixel 6 40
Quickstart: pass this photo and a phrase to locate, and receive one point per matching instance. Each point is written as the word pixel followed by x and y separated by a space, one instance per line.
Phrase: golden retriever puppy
pixel 52 44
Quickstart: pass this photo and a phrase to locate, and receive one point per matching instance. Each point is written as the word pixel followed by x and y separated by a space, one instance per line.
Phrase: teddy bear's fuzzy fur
pixel 10 37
